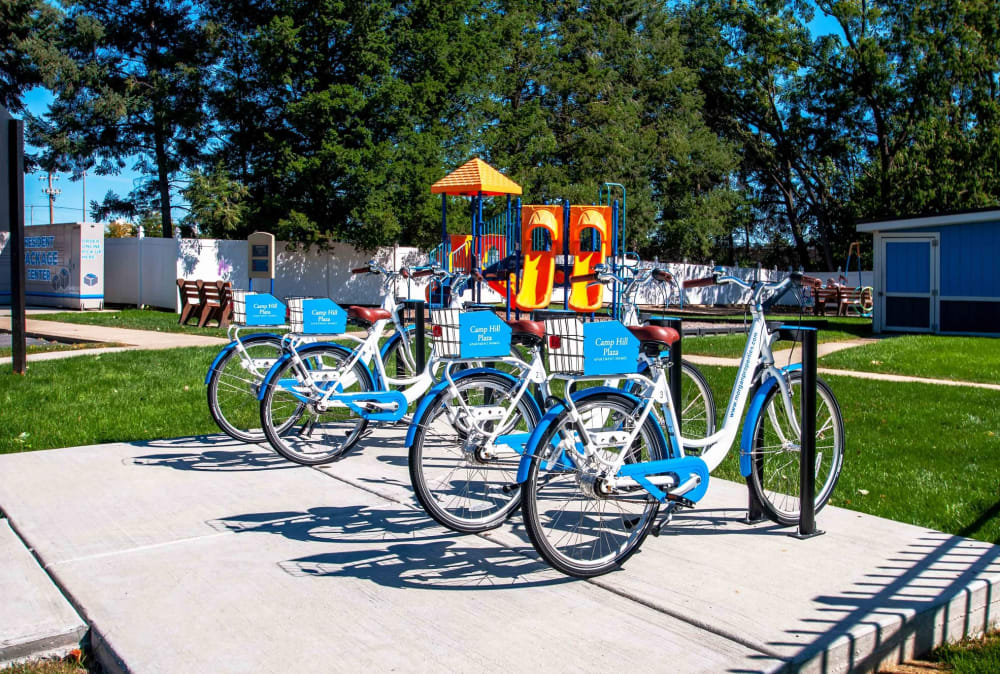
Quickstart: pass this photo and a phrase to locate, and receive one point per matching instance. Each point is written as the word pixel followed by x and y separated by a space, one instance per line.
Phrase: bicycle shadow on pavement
pixel 210 453
pixel 717 521
pixel 396 548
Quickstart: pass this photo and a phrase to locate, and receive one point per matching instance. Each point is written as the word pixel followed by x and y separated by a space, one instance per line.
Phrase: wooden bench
pixel 216 302
pixel 206 301
pixel 840 298
pixel 190 300
pixel 858 299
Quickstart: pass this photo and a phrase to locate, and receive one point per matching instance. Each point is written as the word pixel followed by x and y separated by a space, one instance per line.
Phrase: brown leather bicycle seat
pixel 654 333
pixel 524 327
pixel 368 314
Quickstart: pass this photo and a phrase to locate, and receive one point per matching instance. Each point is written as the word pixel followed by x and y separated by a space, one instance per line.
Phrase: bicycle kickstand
pixel 673 503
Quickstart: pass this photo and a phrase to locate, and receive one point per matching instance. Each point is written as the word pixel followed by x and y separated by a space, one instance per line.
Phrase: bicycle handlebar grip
pixel 700 282
pixel 420 273
pixel 361 270
pixel 662 275
pixel 583 277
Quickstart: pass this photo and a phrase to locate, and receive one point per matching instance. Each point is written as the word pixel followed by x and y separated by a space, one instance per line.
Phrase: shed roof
pixel 944 219
pixel 475 177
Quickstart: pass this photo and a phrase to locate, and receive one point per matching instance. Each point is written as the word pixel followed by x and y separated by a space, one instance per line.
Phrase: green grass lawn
pixel 133 395
pixel 731 346
pixel 135 319
pixel 971 656
pixel 935 356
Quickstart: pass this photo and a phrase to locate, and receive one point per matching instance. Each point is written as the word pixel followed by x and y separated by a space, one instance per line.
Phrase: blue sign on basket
pixel 609 348
pixel 264 309
pixel 483 335
pixel 323 316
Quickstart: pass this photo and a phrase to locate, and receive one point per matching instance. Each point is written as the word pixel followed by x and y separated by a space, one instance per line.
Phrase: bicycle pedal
pixel 680 501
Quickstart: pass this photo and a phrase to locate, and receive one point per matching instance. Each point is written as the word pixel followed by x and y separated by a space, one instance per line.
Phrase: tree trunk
pixel 162 176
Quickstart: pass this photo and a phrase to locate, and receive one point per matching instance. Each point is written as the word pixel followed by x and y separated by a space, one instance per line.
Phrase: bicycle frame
pixel 756 362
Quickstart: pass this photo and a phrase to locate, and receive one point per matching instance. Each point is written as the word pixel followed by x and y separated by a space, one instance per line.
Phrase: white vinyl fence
pixel 145 271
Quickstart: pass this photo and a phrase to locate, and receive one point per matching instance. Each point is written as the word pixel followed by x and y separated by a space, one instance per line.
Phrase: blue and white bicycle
pixel 317 399
pixel 599 466
pixel 468 434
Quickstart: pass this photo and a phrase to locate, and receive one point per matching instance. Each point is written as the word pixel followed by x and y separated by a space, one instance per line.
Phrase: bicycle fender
pixel 395 338
pixel 431 395
pixel 303 353
pixel 536 435
pixel 756 405
pixel 229 347
pixel 534 439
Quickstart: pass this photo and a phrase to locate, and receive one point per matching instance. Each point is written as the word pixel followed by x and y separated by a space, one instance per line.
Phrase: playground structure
pixel 526 251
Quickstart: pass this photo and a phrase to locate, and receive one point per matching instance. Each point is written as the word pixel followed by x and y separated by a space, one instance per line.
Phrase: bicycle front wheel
pixel 296 420
pixel 574 524
pixel 234 383
pixel 774 475
pixel 461 481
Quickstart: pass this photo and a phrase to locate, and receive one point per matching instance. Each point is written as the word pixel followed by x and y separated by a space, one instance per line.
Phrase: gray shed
pixel 938 273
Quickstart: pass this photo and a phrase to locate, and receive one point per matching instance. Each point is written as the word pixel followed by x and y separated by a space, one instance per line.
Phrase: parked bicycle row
pixel 574 421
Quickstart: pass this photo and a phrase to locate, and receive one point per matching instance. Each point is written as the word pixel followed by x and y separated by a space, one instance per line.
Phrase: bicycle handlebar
pixel 700 282
pixel 361 270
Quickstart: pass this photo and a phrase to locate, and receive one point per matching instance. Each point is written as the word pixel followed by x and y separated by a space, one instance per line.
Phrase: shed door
pixel 910 283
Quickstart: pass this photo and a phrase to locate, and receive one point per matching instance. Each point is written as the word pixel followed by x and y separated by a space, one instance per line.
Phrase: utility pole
pixel 83 177
pixel 51 192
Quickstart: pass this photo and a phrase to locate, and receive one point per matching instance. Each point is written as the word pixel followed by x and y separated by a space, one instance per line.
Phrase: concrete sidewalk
pixel 130 339
pixel 201 554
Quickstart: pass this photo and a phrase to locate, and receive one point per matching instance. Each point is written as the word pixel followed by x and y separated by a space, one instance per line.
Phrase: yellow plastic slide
pixel 539 267
pixel 588 229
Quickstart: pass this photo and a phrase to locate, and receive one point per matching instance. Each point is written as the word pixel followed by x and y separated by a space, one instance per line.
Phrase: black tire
pixel 454 481
pixel 774 475
pixel 400 358
pixel 233 387
pixel 582 534
pixel 295 427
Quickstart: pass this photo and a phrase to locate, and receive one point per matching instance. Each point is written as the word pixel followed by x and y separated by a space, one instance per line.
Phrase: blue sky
pixel 68 204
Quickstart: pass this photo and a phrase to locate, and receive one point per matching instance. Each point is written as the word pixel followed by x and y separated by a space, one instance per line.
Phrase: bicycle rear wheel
pixel 774 475
pixel 461 482
pixel 234 383
pixel 574 526
pixel 697 411
pixel 291 412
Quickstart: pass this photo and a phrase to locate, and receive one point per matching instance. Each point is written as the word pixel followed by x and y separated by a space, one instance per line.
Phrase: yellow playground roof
pixel 473 177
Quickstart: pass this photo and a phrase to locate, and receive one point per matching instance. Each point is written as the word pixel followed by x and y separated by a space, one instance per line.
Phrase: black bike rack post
pixel 807 447
pixel 419 337
pixel 674 376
